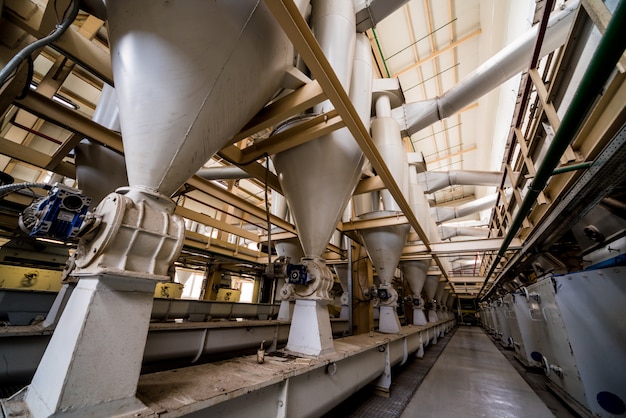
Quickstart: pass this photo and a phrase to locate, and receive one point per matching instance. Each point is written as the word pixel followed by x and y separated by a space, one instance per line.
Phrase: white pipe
pixel 514 58
pixel 329 24
pixel 371 12
pixel 448 232
pixel 443 213
pixel 223 173
pixel 421 208
pixel 388 140
pixel 433 181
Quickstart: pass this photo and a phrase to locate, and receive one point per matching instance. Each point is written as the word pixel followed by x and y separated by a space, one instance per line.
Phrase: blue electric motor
pixel 297 274
pixel 58 215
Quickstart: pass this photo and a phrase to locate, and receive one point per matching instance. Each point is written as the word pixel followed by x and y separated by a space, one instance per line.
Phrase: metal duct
pixel 449 232
pixel 505 64
pixel 172 93
pixel 421 208
pixel 223 173
pixel 388 140
pixel 443 213
pixel 433 181
pixel 318 177
pixel 371 12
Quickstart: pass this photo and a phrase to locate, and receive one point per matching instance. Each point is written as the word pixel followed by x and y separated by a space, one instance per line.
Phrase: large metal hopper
pixel 384 246
pixel 318 177
pixel 188 75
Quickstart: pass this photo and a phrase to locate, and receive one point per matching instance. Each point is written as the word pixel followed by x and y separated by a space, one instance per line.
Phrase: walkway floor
pixel 472 378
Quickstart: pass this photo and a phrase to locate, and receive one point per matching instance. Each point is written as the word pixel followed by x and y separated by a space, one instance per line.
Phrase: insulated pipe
pixel 443 213
pixel 601 66
pixel 505 64
pixel 433 181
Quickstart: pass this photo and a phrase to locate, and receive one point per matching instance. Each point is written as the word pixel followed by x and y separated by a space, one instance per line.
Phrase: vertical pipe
pixel 348 244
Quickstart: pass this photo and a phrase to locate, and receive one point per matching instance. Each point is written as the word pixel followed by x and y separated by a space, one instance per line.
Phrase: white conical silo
pixel 189 74
pixel 318 177
pixel 415 272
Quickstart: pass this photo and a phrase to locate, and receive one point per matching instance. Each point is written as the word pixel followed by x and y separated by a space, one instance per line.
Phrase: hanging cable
pixel 14 63
pixel 8 188
pixel 267 211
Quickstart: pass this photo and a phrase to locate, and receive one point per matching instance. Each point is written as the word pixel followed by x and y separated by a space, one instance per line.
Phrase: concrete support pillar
pixel 388 322
pixel 89 329
pixel 310 332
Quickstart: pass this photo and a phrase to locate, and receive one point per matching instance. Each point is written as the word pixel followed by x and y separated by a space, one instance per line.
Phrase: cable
pixel 267 212
pixel 14 63
pixel 9 188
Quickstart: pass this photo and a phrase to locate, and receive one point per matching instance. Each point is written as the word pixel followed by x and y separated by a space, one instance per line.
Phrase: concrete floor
pixel 472 378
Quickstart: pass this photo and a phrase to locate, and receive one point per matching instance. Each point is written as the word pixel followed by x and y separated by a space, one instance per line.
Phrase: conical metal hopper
pixel 318 177
pixel 384 246
pixel 342 274
pixel 289 247
pixel 430 287
pixel 415 272
pixel 189 74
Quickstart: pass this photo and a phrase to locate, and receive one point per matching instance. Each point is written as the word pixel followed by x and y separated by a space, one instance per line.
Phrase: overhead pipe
pixel 445 213
pixel 512 59
pixel 223 173
pixel 601 66
pixel 371 12
pixel 447 232
pixel 420 206
pixel 433 181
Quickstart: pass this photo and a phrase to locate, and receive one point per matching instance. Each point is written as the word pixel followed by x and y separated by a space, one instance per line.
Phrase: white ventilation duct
pixel 447 232
pixel 433 181
pixel 223 173
pixel 443 213
pixel 514 58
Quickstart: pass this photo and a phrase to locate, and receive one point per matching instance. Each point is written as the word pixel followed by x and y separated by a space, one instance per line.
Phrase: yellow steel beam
pixel 297 135
pixel 297 102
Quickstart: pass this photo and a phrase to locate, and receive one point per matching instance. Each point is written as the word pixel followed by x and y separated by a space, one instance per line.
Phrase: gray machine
pixel 579 321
